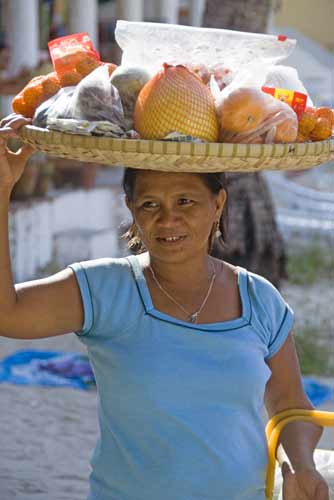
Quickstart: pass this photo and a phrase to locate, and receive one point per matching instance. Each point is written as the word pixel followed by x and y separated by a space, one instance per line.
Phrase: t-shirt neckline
pixel 232 324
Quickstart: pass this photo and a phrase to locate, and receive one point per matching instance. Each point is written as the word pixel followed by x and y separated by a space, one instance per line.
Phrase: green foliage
pixel 314 358
pixel 307 266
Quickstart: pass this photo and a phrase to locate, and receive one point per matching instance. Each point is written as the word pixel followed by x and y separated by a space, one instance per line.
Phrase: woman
pixel 185 348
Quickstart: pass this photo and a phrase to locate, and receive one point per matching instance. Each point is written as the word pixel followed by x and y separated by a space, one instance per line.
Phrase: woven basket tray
pixel 173 156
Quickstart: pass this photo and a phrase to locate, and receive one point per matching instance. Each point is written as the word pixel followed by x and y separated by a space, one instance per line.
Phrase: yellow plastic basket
pixel 275 426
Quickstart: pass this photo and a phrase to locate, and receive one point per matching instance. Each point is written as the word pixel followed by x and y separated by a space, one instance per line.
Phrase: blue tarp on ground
pixel 317 393
pixel 61 369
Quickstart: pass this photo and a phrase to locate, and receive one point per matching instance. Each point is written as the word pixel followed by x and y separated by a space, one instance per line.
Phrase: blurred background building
pixel 38 215
pixel 27 25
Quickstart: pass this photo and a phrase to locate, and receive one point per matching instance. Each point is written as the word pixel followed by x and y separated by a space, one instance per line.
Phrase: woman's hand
pixel 12 164
pixel 303 485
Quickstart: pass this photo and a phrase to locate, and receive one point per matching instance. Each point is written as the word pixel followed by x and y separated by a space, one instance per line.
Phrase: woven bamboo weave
pixel 172 156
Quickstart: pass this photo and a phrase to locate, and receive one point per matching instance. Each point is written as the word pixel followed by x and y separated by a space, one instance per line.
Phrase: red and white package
pixel 73 57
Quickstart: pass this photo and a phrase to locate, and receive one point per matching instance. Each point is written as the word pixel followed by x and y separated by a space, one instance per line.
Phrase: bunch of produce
pixel 38 90
pixel 177 101
pixel 249 115
pixel 316 124
pixel 72 60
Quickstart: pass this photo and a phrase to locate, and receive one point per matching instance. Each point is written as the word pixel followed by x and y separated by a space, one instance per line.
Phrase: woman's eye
pixel 185 201
pixel 150 204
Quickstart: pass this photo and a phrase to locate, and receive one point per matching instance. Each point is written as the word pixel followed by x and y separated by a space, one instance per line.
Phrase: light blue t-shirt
pixel 180 404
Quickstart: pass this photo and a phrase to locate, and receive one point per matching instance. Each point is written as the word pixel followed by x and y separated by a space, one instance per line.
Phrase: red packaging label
pixel 296 100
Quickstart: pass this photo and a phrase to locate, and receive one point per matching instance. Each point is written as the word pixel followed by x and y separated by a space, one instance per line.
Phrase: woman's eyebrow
pixel 183 193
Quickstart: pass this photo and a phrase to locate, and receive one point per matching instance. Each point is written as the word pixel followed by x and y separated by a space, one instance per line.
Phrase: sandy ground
pixel 47 434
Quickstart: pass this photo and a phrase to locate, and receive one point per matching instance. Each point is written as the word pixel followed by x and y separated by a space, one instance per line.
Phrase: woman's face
pixel 174 213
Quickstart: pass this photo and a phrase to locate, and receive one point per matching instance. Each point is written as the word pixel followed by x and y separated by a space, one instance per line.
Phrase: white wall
pixel 70 226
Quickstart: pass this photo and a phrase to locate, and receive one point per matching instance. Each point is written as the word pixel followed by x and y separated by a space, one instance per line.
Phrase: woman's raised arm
pixel 40 308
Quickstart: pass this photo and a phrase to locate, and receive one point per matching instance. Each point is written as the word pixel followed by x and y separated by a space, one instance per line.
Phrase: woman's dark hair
pixel 214 181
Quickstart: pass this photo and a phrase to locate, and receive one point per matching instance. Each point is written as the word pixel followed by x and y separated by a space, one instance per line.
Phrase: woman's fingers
pixel 7 132
pixel 25 152
pixel 14 121
pixel 8 128
pixel 4 120
pixel 322 492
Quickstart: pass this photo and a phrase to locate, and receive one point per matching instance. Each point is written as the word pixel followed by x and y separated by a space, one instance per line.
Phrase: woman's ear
pixel 128 203
pixel 220 201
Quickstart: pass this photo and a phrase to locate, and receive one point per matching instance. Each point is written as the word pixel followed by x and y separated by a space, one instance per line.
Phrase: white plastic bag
pixel 286 77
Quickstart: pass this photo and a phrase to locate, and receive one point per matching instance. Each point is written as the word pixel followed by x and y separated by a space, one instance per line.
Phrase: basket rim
pixel 178 156
pixel 167 147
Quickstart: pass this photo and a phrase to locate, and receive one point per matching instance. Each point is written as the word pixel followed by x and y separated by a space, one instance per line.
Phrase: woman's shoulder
pixel 103 263
pixel 261 292
pixel 103 269
pixel 259 283
pixel 106 285
pixel 233 272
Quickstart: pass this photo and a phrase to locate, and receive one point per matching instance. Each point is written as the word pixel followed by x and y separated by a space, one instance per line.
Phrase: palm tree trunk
pixel 253 240
pixel 239 15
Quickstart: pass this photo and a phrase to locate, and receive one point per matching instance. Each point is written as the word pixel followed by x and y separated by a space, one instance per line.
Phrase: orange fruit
pixel 322 130
pixel 324 112
pixel 306 123
pixel 50 84
pixel 33 91
pixel 176 100
pixel 20 107
pixel 30 97
pixel 301 138
pixel 243 110
pixel 287 130
pixel 70 78
pixel 86 64
pixel 111 67
pixel 68 61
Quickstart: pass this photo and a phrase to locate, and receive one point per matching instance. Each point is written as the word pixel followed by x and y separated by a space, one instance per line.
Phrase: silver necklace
pixel 191 316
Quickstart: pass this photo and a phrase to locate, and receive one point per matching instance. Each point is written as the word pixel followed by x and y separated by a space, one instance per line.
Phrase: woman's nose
pixel 168 217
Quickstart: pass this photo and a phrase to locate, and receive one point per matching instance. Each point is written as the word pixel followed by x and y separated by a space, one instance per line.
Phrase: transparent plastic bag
pixel 248 115
pixel 96 99
pixel 58 106
pixel 149 45
pixel 93 99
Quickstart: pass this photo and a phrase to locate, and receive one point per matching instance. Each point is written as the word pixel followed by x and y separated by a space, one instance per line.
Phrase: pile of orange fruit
pixel 316 124
pixel 39 89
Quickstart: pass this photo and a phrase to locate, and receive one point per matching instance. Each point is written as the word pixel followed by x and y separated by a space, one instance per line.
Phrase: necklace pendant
pixel 193 317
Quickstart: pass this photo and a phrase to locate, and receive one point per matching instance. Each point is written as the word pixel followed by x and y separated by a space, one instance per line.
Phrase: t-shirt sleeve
pixel 107 289
pixel 96 279
pixel 86 298
pixel 273 312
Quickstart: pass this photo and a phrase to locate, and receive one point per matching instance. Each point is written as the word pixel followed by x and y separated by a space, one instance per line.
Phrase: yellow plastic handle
pixel 274 428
